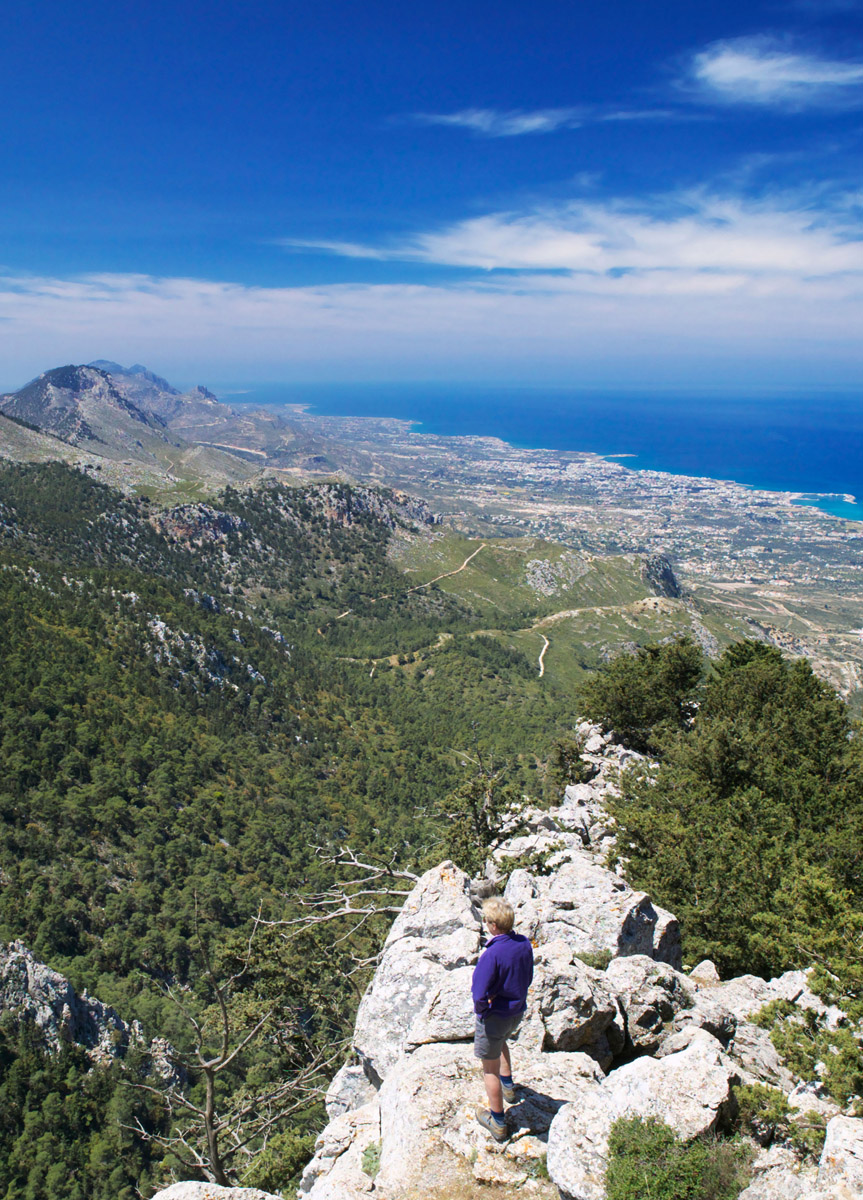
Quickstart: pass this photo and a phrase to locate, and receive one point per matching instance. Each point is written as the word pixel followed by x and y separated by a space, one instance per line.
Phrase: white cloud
pixel 766 71
pixel 496 123
pixel 634 289
pixel 693 231
pixel 491 122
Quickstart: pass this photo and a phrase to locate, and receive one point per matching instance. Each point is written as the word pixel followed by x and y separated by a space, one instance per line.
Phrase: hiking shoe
pixel 508 1090
pixel 498 1132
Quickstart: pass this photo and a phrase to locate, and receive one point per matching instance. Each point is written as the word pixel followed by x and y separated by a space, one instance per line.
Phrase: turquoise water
pixel 797 443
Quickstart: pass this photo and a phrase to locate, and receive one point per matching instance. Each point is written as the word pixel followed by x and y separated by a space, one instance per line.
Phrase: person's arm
pixel 483 982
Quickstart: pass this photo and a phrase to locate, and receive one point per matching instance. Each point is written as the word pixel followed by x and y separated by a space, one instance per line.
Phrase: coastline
pixel 373 417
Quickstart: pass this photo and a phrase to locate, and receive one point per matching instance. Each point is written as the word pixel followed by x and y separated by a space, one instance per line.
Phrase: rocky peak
pixel 69 401
pixel 638 1036
pixel 32 992
pixel 203 394
pixel 137 373
pixel 657 573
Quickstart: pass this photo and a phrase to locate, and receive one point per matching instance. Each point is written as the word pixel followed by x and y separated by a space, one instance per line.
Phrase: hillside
pixel 84 408
pixel 206 704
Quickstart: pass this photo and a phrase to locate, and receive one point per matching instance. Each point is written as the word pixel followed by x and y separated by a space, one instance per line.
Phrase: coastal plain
pixel 570 557
pixel 749 562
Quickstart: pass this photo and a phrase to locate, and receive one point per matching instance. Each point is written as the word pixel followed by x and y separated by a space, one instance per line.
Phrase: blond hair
pixel 499 912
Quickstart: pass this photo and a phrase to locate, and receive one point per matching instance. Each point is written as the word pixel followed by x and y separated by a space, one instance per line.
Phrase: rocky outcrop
pixel 658 573
pixel 437 931
pixel 32 992
pixel 614 1027
pixel 690 1091
pixel 211 1191
pixel 840 1170
pixel 592 910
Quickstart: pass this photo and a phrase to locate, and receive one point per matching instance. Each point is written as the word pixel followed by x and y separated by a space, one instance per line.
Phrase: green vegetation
pixel 64 1127
pixel 749 827
pixel 758 786
pixel 204 708
pixel 187 712
pixel 479 815
pixel 371 1161
pixel 646 697
pixel 647 1159
pixel 804 1041
pixel 765 1113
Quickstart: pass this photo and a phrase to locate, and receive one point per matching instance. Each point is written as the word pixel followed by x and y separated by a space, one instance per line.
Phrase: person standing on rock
pixel 499 988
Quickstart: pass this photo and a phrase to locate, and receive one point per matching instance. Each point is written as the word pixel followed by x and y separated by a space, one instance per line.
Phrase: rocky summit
pixel 614 1027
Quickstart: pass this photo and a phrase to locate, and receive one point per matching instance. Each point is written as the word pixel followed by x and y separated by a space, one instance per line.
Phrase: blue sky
pixel 630 192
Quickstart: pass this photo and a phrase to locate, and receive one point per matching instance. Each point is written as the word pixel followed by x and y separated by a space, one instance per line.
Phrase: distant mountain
pixel 112 420
pixel 144 433
pixel 151 392
pixel 76 404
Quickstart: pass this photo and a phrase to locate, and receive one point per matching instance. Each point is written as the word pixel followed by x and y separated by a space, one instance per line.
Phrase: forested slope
pixel 184 718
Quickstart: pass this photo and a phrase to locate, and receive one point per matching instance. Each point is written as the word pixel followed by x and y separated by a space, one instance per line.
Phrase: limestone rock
pixel 840 1169
pixel 705 972
pixel 348 1091
pixel 336 1171
pixel 448 1014
pixel 812 1097
pixel 779 1175
pixel 690 1091
pixel 31 991
pixel 758 1058
pixel 211 1191
pixel 651 995
pixel 576 1005
pixel 429 1130
pixel 592 910
pixel 745 995
pixel 437 930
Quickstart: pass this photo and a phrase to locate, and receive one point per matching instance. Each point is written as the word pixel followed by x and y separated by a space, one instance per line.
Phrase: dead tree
pixel 220 1138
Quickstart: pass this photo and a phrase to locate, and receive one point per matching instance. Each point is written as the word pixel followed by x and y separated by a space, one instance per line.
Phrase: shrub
pixel 811 1050
pixel 647 1159
pixel 766 1114
pixel 565 764
pixel 371 1161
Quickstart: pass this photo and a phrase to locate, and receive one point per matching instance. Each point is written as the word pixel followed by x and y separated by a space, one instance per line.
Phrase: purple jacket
pixel 502 975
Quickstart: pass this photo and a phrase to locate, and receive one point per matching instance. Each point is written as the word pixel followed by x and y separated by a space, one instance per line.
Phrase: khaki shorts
pixel 491 1033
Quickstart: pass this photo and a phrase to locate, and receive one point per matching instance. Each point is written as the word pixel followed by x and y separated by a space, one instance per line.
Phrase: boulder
pixel 428 1103
pixel 758 1058
pixel 651 995
pixel 336 1171
pixel 576 1006
pixel 691 1091
pixel 447 1015
pixel 437 930
pixel 348 1091
pixel 211 1191
pixel 592 910
pixel 840 1169
pixel 778 1174
pixel 705 972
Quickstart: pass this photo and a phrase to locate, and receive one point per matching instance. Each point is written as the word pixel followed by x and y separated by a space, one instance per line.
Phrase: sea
pixel 808 444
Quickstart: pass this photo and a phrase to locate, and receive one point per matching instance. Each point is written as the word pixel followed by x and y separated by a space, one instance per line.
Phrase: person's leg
pixel 506 1062
pixel 491 1079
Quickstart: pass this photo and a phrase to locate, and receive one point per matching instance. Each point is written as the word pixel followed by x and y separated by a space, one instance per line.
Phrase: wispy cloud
pixel 694 231
pixel 580 290
pixel 499 123
pixel 769 71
